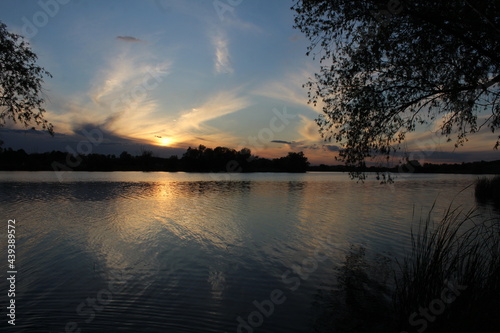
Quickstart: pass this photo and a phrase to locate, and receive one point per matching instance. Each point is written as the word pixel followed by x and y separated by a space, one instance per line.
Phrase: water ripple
pixel 184 253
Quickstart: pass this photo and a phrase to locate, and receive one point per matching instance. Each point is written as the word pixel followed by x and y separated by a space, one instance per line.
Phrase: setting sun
pixel 165 141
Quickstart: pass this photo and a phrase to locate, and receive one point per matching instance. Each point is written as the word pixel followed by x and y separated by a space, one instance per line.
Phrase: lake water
pixel 179 252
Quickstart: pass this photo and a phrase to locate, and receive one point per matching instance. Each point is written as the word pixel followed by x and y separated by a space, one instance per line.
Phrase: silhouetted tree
pixel 390 65
pixel 172 163
pixel 224 159
pixel 293 162
pixel 191 158
pixel 243 159
pixel 20 82
pixel 125 156
pixel 223 156
pixel 410 166
pixel 146 159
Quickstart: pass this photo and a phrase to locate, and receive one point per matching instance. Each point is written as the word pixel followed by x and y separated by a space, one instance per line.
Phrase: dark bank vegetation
pixel 449 281
pixel 201 159
pixel 413 166
pixel 488 190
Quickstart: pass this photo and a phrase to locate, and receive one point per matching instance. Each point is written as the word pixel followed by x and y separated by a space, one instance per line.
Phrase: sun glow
pixel 165 141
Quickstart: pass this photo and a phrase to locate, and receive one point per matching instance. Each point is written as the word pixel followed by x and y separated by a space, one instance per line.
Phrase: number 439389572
pixel 11 247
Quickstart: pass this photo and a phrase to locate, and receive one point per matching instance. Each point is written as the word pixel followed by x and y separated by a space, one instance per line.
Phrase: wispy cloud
pixel 289 88
pixel 221 104
pixel 217 29
pixel 222 59
pixel 331 147
pixel 309 130
pixel 193 123
pixel 237 23
pixel 128 73
pixel 129 39
pixel 123 100
pixel 121 96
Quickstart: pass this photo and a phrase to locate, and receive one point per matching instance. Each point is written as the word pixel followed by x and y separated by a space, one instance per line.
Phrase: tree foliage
pixel 20 82
pixel 389 66
pixel 293 162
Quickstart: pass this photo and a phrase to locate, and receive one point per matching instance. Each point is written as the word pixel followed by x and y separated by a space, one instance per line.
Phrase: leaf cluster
pixel 390 66
pixel 20 82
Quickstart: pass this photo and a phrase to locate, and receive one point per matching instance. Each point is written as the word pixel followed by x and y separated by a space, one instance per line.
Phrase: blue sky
pixel 169 74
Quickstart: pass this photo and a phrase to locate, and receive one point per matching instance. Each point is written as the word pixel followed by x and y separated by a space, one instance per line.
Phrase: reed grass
pixel 458 250
pixel 488 190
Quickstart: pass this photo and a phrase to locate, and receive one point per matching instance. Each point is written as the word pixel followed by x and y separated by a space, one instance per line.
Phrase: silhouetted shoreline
pixel 479 167
pixel 201 159
pixel 220 159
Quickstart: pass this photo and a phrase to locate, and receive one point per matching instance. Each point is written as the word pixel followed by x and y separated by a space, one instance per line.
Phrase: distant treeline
pixel 201 159
pixel 414 166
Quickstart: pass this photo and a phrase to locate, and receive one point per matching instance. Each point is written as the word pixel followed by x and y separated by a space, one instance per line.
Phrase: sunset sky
pixel 169 74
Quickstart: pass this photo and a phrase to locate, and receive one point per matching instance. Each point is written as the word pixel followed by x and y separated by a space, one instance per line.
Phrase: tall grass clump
pixel 450 280
pixel 488 190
